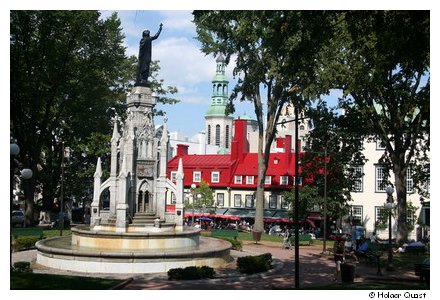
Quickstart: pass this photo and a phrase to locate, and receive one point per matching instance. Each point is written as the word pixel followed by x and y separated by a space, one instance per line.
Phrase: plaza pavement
pixel 315 270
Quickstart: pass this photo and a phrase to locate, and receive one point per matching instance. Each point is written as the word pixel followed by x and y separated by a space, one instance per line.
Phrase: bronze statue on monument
pixel 144 59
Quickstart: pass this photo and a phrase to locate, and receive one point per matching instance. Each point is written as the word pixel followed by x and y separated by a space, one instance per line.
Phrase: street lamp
pixel 25 174
pixel 193 188
pixel 389 205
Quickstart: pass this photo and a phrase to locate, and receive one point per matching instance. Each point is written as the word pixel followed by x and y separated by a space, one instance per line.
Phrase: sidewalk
pixel 315 270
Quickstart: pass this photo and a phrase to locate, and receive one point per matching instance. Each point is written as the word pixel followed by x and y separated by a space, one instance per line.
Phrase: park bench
pixel 415 249
pixel 372 256
pixel 422 270
pixel 224 233
pixel 27 231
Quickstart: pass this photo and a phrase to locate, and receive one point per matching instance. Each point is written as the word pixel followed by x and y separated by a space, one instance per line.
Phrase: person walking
pixel 338 252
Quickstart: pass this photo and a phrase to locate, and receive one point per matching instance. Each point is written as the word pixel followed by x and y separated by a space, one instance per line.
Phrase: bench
pixel 27 231
pixel 415 249
pixel 372 256
pixel 224 233
pixel 422 270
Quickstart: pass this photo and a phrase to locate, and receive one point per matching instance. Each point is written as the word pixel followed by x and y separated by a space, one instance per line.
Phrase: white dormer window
pixel 284 180
pixel 215 177
pixel 249 179
pixel 237 179
pixel 268 180
pixel 197 176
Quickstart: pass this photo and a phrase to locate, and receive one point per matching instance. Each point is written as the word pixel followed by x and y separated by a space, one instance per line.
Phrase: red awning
pixel 312 224
pixel 314 216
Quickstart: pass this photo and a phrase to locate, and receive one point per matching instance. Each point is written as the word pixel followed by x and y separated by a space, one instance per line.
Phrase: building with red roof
pixel 233 177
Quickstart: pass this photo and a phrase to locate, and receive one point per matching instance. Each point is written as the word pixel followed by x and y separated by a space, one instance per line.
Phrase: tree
pixel 206 196
pixel 381 63
pixel 275 51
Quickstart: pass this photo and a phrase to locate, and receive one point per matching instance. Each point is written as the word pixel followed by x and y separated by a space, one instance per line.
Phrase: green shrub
pixel 236 244
pixel 254 264
pixel 22 266
pixel 191 273
pixel 24 242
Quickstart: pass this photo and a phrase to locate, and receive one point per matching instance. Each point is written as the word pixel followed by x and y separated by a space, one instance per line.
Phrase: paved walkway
pixel 315 270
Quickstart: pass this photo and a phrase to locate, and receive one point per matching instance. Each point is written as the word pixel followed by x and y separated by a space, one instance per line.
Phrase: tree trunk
pixel 400 183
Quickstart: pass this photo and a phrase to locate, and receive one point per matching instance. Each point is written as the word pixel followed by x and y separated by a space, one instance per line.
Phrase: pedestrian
pixel 338 252
pixel 286 237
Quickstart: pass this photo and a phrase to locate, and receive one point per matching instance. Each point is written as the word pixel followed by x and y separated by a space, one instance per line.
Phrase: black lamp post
pixel 389 205
pixel 25 174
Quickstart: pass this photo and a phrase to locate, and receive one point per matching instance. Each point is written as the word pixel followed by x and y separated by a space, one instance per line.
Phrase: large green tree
pixel 273 51
pixel 380 61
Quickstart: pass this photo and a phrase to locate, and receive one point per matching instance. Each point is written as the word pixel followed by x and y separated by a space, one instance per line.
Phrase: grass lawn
pixel 34 281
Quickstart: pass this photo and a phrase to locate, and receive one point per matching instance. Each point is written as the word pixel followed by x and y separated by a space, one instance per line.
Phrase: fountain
pixel 130 230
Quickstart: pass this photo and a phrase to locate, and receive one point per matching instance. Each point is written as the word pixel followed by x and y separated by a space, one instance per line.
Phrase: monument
pixel 130 230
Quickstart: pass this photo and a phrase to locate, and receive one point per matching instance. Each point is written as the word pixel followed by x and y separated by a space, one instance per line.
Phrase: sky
pixel 182 64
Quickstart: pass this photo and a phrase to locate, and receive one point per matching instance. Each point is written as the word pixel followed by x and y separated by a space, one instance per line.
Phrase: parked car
pixel 17 218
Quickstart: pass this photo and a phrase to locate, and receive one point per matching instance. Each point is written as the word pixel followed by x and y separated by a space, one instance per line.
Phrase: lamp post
pixel 194 196
pixel 25 174
pixel 389 205
pixel 193 186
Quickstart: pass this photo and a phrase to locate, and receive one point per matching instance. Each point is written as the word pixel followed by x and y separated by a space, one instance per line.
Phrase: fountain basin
pixel 64 254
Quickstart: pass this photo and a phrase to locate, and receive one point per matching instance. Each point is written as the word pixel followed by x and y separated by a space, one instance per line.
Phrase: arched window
pixel 105 199
pixel 217 135
pixel 301 127
pixel 227 137
pixel 209 134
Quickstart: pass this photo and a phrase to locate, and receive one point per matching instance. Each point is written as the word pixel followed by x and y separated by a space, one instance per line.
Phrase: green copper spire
pixel 219 98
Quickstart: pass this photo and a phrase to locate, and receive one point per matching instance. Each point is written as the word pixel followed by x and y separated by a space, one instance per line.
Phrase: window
pixel 173 198
pixel 173 176
pixel 358 185
pixel 209 134
pixel 215 176
pixel 249 201
pixel 357 213
pixel 284 203
pixel 268 180
pixel 273 201
pixel 380 145
pixel 227 137
pixel 409 180
pixel 249 179
pixel 381 217
pixel 217 135
pixel 237 200
pixel 298 180
pixel 284 180
pixel 237 179
pixel 197 176
pixel 220 199
pixel 301 127
pixel 380 179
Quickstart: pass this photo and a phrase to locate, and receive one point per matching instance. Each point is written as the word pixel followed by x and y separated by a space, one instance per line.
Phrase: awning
pixel 314 216
pixel 312 224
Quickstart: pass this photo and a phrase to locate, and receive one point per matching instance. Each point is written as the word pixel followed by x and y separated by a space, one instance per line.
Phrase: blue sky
pixel 182 64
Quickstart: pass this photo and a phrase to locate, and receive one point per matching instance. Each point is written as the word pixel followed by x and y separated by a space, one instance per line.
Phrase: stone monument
pixel 130 230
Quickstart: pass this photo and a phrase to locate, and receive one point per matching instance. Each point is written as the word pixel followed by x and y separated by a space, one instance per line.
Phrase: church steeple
pixel 218 124
pixel 219 97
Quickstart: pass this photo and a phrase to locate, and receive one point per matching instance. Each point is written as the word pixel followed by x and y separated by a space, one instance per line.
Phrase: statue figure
pixel 145 57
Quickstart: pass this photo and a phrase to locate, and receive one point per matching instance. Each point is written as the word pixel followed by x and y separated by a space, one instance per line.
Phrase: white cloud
pixel 179 20
pixel 182 62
